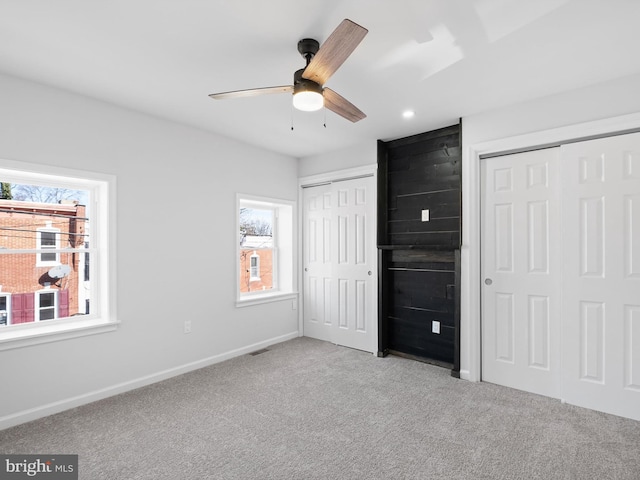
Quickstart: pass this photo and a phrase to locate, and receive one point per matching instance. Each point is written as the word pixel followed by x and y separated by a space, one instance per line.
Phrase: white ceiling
pixel 445 59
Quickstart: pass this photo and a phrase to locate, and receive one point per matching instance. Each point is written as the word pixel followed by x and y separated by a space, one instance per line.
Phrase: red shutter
pixel 63 303
pixel 22 307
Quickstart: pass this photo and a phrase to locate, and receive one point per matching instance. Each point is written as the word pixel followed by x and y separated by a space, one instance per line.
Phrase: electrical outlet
pixel 435 327
pixel 425 215
pixel 187 326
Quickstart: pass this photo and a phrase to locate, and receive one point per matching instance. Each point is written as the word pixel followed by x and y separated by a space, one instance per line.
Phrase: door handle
pixel 369 273
pixel 306 269
pixel 488 281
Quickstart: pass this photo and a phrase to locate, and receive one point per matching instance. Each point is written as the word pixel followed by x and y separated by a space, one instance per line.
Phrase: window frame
pixel 38 307
pixel 43 249
pixel 7 311
pixel 254 270
pixel 101 190
pixel 283 250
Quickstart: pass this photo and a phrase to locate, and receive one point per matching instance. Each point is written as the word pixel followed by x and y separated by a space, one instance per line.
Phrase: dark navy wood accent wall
pixel 419 260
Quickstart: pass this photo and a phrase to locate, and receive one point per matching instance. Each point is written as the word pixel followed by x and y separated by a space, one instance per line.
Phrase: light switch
pixel 425 215
pixel 435 327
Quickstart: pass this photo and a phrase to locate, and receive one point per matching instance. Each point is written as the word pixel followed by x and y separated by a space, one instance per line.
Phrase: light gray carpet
pixel 310 410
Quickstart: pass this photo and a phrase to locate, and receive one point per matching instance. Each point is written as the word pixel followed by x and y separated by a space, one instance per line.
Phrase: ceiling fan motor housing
pixel 302 84
pixel 308 47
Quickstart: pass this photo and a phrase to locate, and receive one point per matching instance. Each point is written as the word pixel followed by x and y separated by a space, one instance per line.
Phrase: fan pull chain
pixel 292 117
pixel 325 116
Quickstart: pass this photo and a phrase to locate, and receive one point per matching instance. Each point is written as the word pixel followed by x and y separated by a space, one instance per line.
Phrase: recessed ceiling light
pixel 408 114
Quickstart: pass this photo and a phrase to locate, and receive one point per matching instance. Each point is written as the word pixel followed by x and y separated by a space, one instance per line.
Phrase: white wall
pixel 617 97
pixel 592 110
pixel 176 207
pixel 360 155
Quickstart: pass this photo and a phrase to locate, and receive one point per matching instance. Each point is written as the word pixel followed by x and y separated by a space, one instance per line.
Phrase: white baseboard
pixel 66 404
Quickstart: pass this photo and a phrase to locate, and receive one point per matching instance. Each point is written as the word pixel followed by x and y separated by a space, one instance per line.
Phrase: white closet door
pixel 340 303
pixel 521 271
pixel 317 260
pixel 601 284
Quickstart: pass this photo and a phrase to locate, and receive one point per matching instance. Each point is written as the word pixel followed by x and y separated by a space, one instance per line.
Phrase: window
pixel 86 263
pixel 265 250
pixel 47 241
pixel 57 220
pixel 5 309
pixel 46 306
pixel 254 267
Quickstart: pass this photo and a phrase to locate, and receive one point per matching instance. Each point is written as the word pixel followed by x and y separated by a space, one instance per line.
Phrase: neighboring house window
pixel 5 309
pixel 60 221
pixel 265 249
pixel 48 242
pixel 87 258
pixel 254 268
pixel 46 305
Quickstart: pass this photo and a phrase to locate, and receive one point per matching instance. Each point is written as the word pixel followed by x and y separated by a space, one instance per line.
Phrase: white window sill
pixel 36 333
pixel 260 298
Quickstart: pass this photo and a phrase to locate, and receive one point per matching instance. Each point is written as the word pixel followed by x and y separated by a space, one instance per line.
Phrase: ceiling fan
pixel 309 92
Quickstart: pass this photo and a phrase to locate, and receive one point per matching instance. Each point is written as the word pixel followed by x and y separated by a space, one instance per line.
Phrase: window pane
pixel 258 276
pixel 47 300
pixel 25 287
pixel 257 248
pixel 44 217
pixel 49 257
pixel 256 222
pixel 86 268
pixel 47 239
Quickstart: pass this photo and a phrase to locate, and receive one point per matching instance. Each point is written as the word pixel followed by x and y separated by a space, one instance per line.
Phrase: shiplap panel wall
pixel 419 274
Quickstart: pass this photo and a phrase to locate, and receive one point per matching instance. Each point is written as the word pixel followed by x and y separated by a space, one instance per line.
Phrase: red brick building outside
pixel 256 263
pixel 42 286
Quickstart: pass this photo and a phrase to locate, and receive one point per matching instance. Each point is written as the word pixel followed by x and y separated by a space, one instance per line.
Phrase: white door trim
pixel 328 177
pixel 470 308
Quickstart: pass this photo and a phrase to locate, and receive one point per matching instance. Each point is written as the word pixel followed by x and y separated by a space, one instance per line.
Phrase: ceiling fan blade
pixel 334 51
pixel 343 107
pixel 252 92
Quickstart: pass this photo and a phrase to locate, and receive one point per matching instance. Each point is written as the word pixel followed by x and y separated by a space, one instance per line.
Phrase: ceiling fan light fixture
pixel 307 96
